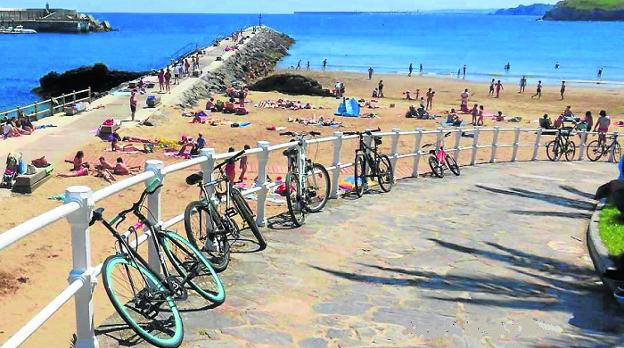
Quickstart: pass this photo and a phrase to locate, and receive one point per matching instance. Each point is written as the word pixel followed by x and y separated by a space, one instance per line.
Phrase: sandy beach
pixel 36 268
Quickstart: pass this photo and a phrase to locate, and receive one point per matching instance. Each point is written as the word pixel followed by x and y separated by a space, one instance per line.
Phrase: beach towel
pixel 448 124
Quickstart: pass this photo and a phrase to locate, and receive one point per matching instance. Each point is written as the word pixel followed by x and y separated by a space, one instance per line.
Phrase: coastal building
pixel 51 20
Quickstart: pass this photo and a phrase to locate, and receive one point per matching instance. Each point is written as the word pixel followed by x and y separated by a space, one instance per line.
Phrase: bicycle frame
pixel 371 153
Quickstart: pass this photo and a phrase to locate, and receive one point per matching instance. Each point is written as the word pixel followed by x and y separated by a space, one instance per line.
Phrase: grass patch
pixel 594 4
pixel 611 228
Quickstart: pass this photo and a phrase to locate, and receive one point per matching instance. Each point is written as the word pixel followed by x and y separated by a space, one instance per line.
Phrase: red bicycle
pixel 439 160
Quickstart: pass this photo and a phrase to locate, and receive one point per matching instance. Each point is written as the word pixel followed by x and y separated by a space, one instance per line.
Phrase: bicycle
pixel 562 145
pixel 211 230
pixel 370 163
pixel 598 148
pixel 439 160
pixel 307 183
pixel 143 297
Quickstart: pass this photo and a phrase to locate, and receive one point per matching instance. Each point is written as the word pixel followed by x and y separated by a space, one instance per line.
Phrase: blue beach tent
pixel 350 108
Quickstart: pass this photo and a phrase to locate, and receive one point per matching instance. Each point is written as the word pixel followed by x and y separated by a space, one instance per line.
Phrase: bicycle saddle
pixel 195 179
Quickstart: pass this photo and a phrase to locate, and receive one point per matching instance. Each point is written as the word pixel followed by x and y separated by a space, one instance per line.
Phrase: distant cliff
pixel 587 10
pixel 522 10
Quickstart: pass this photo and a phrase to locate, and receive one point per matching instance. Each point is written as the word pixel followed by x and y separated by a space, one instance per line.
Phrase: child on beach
pixel 230 168
pixel 480 118
pixel 499 88
pixel 474 113
pixel 491 92
pixel 538 93
pixel 243 165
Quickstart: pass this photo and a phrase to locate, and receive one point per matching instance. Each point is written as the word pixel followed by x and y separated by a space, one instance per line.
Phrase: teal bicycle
pixel 144 297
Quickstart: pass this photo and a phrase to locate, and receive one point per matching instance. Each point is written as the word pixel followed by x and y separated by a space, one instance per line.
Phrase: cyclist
pixel 602 125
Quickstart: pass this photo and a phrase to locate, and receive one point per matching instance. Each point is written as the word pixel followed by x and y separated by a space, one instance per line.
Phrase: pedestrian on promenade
pixel 161 80
pixel 168 80
pixel 370 73
pixel 134 101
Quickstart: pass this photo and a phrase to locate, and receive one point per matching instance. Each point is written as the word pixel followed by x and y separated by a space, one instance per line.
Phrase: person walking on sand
pixel 499 88
pixel 380 88
pixel 563 89
pixel 523 83
pixel 480 122
pixel 464 71
pixel 410 69
pixel 421 68
pixel 134 101
pixel 538 93
pixel 324 64
pixel 429 95
pixel 491 92
pixel 161 80
pixel 370 73
pixel 474 113
pixel 168 80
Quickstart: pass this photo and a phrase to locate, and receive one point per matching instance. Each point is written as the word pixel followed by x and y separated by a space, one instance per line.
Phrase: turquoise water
pixel 388 42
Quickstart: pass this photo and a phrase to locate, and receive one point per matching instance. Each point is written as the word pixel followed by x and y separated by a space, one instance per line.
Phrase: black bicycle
pixel 562 145
pixel 144 297
pixel 210 222
pixel 599 148
pixel 370 163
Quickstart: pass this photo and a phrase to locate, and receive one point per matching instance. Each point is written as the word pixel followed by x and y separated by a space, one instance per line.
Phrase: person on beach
pixel 200 143
pixel 499 88
pixel 545 122
pixel 168 81
pixel 180 71
pixel 463 107
pixel 589 120
pixel 134 101
pixel 458 72
pixel 599 73
pixel 176 75
pixel 324 63
pixel 83 171
pixel 230 167
pixel 430 94
pixel 538 93
pixel 122 170
pixel 243 165
pixel 370 73
pixel 298 65
pixel 27 125
pixel 187 67
pixel 161 80
pixel 480 116
pixel 563 89
pixel 409 74
pixel 474 113
pixel 308 66
pixel 602 126
pixel 104 164
pixel 491 92
pixel 78 161
pixel 452 119
pixel 380 87
pixel 421 68
pixel 523 83
pixel 465 71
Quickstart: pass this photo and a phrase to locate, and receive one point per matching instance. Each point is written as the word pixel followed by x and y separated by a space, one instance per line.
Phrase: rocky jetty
pixel 257 58
pixel 291 84
pixel 97 76
pixel 587 10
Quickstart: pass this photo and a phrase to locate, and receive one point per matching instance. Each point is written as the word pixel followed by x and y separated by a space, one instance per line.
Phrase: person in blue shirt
pixel 201 142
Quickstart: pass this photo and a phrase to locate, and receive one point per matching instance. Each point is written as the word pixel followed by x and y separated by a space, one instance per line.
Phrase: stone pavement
pixel 494 258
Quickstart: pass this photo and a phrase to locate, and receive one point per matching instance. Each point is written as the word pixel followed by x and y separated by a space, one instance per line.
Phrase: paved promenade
pixel 495 258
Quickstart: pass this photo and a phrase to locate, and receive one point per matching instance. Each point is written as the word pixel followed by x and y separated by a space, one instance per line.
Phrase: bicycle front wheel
pixel 201 228
pixel 616 152
pixel 359 176
pixel 570 151
pixel 317 188
pixel 594 150
pixel 193 268
pixel 436 167
pixel 452 164
pixel 294 198
pixel 143 302
pixel 247 215
pixel 552 150
pixel 385 176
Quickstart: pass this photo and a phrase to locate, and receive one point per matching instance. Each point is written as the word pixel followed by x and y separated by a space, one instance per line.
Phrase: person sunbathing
pixel 105 174
pixel 104 164
pixel 122 169
pixel 83 171
pixel 210 105
pixel 500 117
pixel 77 162
pixel 27 125
pixel 229 107
pixel 139 140
pixel 197 119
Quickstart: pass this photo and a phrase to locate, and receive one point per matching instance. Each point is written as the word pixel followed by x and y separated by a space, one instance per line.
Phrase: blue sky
pixel 264 6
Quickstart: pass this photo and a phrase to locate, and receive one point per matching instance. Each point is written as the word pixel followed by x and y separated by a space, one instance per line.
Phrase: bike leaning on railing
pixel 209 223
pixel 370 163
pixel 439 160
pixel 562 145
pixel 144 297
pixel 307 183
pixel 599 148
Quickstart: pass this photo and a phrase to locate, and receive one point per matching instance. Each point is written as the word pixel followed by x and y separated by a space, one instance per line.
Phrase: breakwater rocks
pixel 291 84
pixel 590 10
pixel 257 58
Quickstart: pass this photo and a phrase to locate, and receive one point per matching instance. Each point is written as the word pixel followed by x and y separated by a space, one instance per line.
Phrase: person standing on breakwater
pixel 563 89
pixel 370 73
pixel 134 101
pixel 410 70
pixel 523 83
pixel 324 63
pixel 380 88
pixel 161 80
pixel 491 92
pixel 168 81
pixel 538 93
pixel 499 88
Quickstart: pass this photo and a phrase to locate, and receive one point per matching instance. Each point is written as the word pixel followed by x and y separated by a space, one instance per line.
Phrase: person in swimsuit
pixel 122 169
pixel 161 80
pixel 602 125
pixel 523 83
pixel 230 167
pixel 480 118
pixel 474 112
pixel 538 93
pixel 589 120
pixel 168 80
pixel 243 165
pixel 491 93
pixel 563 89
pixel 380 88
pixel 83 171
pixel 499 88
pixel 429 95
pixel 464 100
pixel 370 73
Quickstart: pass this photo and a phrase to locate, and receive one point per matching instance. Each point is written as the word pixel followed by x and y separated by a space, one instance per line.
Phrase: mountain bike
pixel 370 163
pixel 307 183
pixel 439 160
pixel 598 148
pixel 562 145
pixel 212 230
pixel 143 297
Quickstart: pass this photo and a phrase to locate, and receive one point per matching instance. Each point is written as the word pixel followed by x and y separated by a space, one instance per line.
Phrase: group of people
pixel 103 168
pixel 567 120
pixel 16 127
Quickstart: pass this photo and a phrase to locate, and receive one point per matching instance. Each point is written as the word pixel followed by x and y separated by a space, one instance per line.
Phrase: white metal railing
pixel 80 201
pixel 50 106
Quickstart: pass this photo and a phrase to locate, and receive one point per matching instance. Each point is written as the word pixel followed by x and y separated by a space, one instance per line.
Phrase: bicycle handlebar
pixel 153 186
pixel 231 159
pixel 295 134
pixel 367 132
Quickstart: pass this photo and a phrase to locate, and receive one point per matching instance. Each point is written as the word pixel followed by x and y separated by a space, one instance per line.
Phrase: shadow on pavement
pixel 544 197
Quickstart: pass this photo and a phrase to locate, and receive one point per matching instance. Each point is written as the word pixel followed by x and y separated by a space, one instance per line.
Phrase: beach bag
pixel 219 106
pixel 40 162
pixel 109 122
pixel 22 167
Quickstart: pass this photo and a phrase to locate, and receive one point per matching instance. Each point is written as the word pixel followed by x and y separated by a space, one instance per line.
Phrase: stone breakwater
pixel 257 57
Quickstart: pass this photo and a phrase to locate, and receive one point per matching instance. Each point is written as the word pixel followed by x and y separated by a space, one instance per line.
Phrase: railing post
pixel 439 139
pixel 417 141
pixel 36 112
pixel 155 215
pixel 536 147
pixel 263 161
pixel 74 96
pixel 457 148
pixel 89 95
pixel 63 102
pixel 582 145
pixel 475 146
pixel 336 163
pixel 494 144
pixel 81 263
pixel 611 158
pixel 395 151
pixel 516 144
pixel 207 168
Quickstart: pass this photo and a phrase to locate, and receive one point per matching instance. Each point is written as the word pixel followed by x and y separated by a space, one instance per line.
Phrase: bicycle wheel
pixel 452 165
pixel 436 167
pixel 296 206
pixel 552 150
pixel 247 215
pixel 201 228
pixel 570 151
pixel 143 302
pixel 194 269
pixel 616 152
pixel 594 151
pixel 359 176
pixel 317 188
pixel 385 176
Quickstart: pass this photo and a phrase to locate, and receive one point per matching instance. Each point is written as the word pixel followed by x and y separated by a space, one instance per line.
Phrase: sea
pixel 388 42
